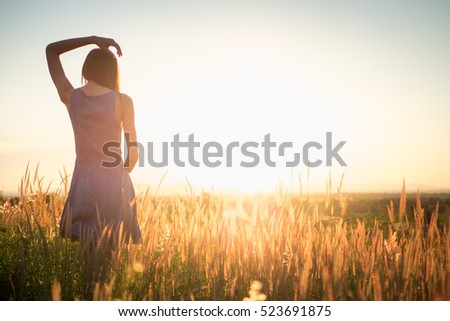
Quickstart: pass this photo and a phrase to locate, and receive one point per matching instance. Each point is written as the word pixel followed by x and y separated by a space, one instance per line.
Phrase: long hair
pixel 102 68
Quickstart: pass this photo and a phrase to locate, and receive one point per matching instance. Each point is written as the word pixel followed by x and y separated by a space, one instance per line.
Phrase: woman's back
pixel 99 196
pixel 94 124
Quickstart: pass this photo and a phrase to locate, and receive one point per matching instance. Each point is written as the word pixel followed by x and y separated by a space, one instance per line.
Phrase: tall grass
pixel 214 247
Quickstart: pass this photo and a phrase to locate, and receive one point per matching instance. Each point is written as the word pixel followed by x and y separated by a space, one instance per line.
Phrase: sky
pixel 375 74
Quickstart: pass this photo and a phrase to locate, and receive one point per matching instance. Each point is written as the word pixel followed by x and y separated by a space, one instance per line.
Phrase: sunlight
pixel 232 89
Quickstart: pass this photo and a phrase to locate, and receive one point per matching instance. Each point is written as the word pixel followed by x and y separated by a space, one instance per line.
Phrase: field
pixel 284 246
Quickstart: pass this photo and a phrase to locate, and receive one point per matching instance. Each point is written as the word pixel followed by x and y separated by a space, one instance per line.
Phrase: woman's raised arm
pixel 55 49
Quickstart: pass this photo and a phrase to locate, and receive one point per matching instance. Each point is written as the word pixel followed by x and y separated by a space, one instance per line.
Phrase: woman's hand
pixel 105 43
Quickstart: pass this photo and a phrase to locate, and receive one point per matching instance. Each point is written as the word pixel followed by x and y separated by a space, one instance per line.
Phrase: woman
pixel 100 206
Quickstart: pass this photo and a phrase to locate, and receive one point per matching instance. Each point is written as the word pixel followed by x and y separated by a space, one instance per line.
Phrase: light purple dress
pixel 100 197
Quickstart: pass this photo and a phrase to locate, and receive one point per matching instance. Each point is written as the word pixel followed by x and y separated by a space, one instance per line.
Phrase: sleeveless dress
pixel 101 198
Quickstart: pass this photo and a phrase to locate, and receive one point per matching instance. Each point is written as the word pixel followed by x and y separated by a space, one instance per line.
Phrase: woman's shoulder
pixel 73 98
pixel 125 99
